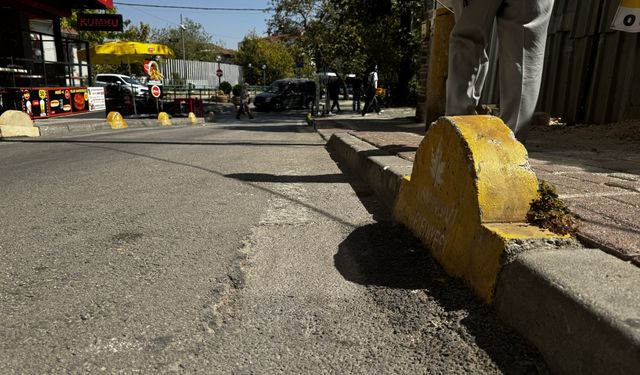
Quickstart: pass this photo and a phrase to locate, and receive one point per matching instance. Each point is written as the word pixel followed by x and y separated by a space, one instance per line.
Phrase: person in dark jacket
pixel 333 89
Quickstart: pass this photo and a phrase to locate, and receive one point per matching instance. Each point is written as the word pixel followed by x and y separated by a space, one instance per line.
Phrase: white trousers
pixel 522 32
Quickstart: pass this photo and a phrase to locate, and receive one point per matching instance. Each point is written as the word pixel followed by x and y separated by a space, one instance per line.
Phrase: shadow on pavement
pixel 403 277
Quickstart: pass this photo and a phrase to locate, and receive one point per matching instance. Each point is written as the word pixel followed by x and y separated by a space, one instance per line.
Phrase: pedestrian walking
pixel 245 100
pixel 333 88
pixel 522 31
pixel 356 91
pixel 370 92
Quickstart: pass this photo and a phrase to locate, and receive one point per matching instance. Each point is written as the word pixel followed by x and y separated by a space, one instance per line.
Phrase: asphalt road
pixel 233 248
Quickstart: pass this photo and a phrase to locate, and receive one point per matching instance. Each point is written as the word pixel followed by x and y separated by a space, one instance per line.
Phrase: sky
pixel 226 27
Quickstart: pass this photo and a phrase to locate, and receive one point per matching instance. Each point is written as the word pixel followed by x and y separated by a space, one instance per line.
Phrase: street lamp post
pixel 184 55
pixel 219 77
pixel 264 80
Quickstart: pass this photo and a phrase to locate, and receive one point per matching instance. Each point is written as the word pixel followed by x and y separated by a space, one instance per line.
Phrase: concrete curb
pixel 382 171
pixel 102 125
pixel 578 306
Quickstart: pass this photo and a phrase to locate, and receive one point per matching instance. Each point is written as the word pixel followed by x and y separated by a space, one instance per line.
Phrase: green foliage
pixel 548 211
pixel 236 90
pixel 255 52
pixel 349 36
pixel 197 43
pixel 225 87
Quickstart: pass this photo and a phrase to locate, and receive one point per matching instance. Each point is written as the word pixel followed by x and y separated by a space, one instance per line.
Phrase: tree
pixel 255 52
pixel 197 43
pixel 349 36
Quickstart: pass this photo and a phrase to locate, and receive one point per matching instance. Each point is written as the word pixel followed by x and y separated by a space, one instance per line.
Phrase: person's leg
pixel 468 60
pixel 367 102
pixel 522 30
pixel 248 110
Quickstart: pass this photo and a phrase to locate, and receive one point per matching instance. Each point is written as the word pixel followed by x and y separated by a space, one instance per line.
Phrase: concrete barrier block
pixel 17 124
pixel 468 195
pixel 116 121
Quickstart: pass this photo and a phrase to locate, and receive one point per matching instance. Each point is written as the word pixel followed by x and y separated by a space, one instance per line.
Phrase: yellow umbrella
pixel 121 52
pixel 124 52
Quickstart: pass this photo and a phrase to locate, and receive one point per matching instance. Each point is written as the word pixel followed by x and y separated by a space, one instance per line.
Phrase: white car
pixel 127 82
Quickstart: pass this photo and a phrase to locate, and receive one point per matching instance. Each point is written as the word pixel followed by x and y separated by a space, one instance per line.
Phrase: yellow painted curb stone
pixel 116 121
pixel 17 124
pixel 193 118
pixel 164 119
pixel 468 196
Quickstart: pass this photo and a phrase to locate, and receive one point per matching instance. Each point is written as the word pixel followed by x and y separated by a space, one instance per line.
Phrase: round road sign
pixel 219 72
pixel 155 91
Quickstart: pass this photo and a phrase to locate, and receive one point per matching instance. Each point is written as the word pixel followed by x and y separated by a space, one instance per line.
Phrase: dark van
pixel 286 93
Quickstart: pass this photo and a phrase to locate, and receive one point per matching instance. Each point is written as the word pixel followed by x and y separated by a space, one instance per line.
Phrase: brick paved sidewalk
pixel 595 168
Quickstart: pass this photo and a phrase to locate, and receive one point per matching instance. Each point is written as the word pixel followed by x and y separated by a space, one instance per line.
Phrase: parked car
pixel 286 93
pixel 128 83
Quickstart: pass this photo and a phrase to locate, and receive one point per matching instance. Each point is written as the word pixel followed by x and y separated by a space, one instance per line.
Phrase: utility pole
pixel 184 55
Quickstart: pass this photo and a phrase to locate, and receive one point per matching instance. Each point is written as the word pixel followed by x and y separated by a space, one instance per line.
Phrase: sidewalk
pixel 578 305
pixel 596 169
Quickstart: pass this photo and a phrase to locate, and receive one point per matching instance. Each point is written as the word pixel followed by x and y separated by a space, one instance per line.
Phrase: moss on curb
pixel 548 211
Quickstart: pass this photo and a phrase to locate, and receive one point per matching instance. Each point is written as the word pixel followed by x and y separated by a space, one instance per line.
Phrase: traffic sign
pixel 155 91
pixel 219 72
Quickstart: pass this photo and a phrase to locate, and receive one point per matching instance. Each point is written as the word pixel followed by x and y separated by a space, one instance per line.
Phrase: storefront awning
pixel 54 8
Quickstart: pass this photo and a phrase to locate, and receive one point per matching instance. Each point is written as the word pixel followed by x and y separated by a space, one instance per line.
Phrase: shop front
pixel 40 72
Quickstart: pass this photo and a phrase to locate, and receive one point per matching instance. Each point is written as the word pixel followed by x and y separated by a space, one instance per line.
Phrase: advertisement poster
pixel 627 17
pixel 34 102
pixel 96 99
pixel 66 100
pixel 152 70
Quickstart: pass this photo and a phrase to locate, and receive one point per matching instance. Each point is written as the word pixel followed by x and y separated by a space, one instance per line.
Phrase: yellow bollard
pixel 164 119
pixel 116 121
pixel 193 118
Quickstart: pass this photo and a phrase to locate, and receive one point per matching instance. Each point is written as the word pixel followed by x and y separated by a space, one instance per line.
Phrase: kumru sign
pixel 99 22
pixel 627 17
